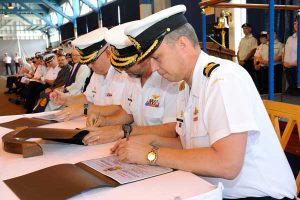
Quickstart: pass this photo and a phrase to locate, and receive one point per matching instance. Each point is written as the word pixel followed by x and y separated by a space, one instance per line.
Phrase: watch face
pixel 126 128
pixel 151 156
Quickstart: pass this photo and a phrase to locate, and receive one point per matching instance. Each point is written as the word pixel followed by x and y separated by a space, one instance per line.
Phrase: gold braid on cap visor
pixel 89 58
pixel 122 62
pixel 156 43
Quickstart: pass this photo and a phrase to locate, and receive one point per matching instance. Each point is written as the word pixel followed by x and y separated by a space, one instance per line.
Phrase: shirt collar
pixel 202 61
pixel 154 79
pixel 248 36
pixel 294 35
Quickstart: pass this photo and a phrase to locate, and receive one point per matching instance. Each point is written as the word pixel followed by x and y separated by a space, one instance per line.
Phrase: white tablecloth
pixel 174 185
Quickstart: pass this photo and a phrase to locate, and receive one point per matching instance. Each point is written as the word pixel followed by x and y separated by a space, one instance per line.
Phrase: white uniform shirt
pixel 40 72
pixel 16 59
pixel 226 103
pixel 247 43
pixel 106 90
pixel 7 59
pixel 290 49
pixel 82 74
pixel 263 51
pixel 152 104
pixel 51 73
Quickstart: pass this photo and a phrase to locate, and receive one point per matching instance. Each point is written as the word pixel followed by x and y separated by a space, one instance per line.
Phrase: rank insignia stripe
pixel 209 68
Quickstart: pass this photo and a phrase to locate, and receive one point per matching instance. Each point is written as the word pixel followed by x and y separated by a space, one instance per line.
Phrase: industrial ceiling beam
pixel 48 22
pixel 22 11
pixel 57 9
pixel 89 4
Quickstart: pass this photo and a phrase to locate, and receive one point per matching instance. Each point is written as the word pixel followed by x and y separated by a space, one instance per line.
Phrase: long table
pixel 175 185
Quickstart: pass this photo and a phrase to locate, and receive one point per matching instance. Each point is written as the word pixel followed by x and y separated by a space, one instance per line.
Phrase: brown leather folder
pixel 58 182
pixel 15 141
pixel 28 122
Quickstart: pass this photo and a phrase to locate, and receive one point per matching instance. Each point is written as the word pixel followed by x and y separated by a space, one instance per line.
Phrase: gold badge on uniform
pixel 195 117
pixel 182 86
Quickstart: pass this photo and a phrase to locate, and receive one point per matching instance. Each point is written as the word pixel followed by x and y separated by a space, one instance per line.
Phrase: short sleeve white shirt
pixel 290 49
pixel 7 59
pixel 106 90
pixel 51 73
pixel 263 50
pixel 246 44
pixel 152 104
pixel 227 103
pixel 40 71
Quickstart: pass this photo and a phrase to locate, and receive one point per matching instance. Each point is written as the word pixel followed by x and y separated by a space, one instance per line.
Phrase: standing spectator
pixel 16 60
pixel 247 49
pixel 7 61
pixel 261 63
pixel 290 61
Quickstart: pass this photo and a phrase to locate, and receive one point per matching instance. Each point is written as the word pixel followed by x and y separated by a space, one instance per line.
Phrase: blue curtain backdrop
pixel 259 19
pixel 129 11
pixel 67 31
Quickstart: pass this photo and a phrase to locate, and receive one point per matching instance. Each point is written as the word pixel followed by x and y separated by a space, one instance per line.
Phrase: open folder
pixel 66 180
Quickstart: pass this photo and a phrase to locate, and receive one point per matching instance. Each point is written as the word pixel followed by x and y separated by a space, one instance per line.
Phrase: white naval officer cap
pixel 91 45
pixel 263 34
pixel 124 54
pixel 148 33
pixel 48 57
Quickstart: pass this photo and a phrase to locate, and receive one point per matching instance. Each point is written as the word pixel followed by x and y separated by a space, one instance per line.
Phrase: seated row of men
pixel 181 107
pixel 37 78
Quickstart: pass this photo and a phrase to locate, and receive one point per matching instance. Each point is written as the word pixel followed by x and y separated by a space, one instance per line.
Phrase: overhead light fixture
pixel 5 15
pixel 10 6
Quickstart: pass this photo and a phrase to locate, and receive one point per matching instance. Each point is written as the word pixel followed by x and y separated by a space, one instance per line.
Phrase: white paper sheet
pixel 124 172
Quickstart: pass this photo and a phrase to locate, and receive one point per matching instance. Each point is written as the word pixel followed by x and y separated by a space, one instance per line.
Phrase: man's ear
pixel 183 43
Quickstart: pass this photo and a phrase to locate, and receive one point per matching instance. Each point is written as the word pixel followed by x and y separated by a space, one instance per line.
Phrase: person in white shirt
pixel 290 60
pixel 39 83
pixel 7 61
pixel 246 50
pixel 76 81
pixel 225 134
pixel 16 61
pixel 106 85
pixel 148 101
pixel 261 63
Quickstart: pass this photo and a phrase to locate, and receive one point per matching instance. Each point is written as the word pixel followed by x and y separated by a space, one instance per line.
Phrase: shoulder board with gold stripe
pixel 209 68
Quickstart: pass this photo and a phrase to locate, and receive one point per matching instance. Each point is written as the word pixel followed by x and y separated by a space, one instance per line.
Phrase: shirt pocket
pixel 198 128
pixel 153 115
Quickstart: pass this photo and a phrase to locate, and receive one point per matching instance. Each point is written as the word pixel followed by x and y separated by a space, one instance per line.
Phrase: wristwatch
pixel 152 155
pixel 127 129
pixel 85 108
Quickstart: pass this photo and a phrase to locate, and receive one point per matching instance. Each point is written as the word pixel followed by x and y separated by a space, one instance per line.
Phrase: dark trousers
pixel 34 90
pixel 11 80
pixel 262 77
pixel 291 76
pixel 8 66
pixel 17 65
pixel 250 69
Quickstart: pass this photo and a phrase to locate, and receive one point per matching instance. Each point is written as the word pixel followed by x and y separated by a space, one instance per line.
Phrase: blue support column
pixel 76 11
pixel 100 4
pixel 271 49
pixel 203 16
pixel 298 50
